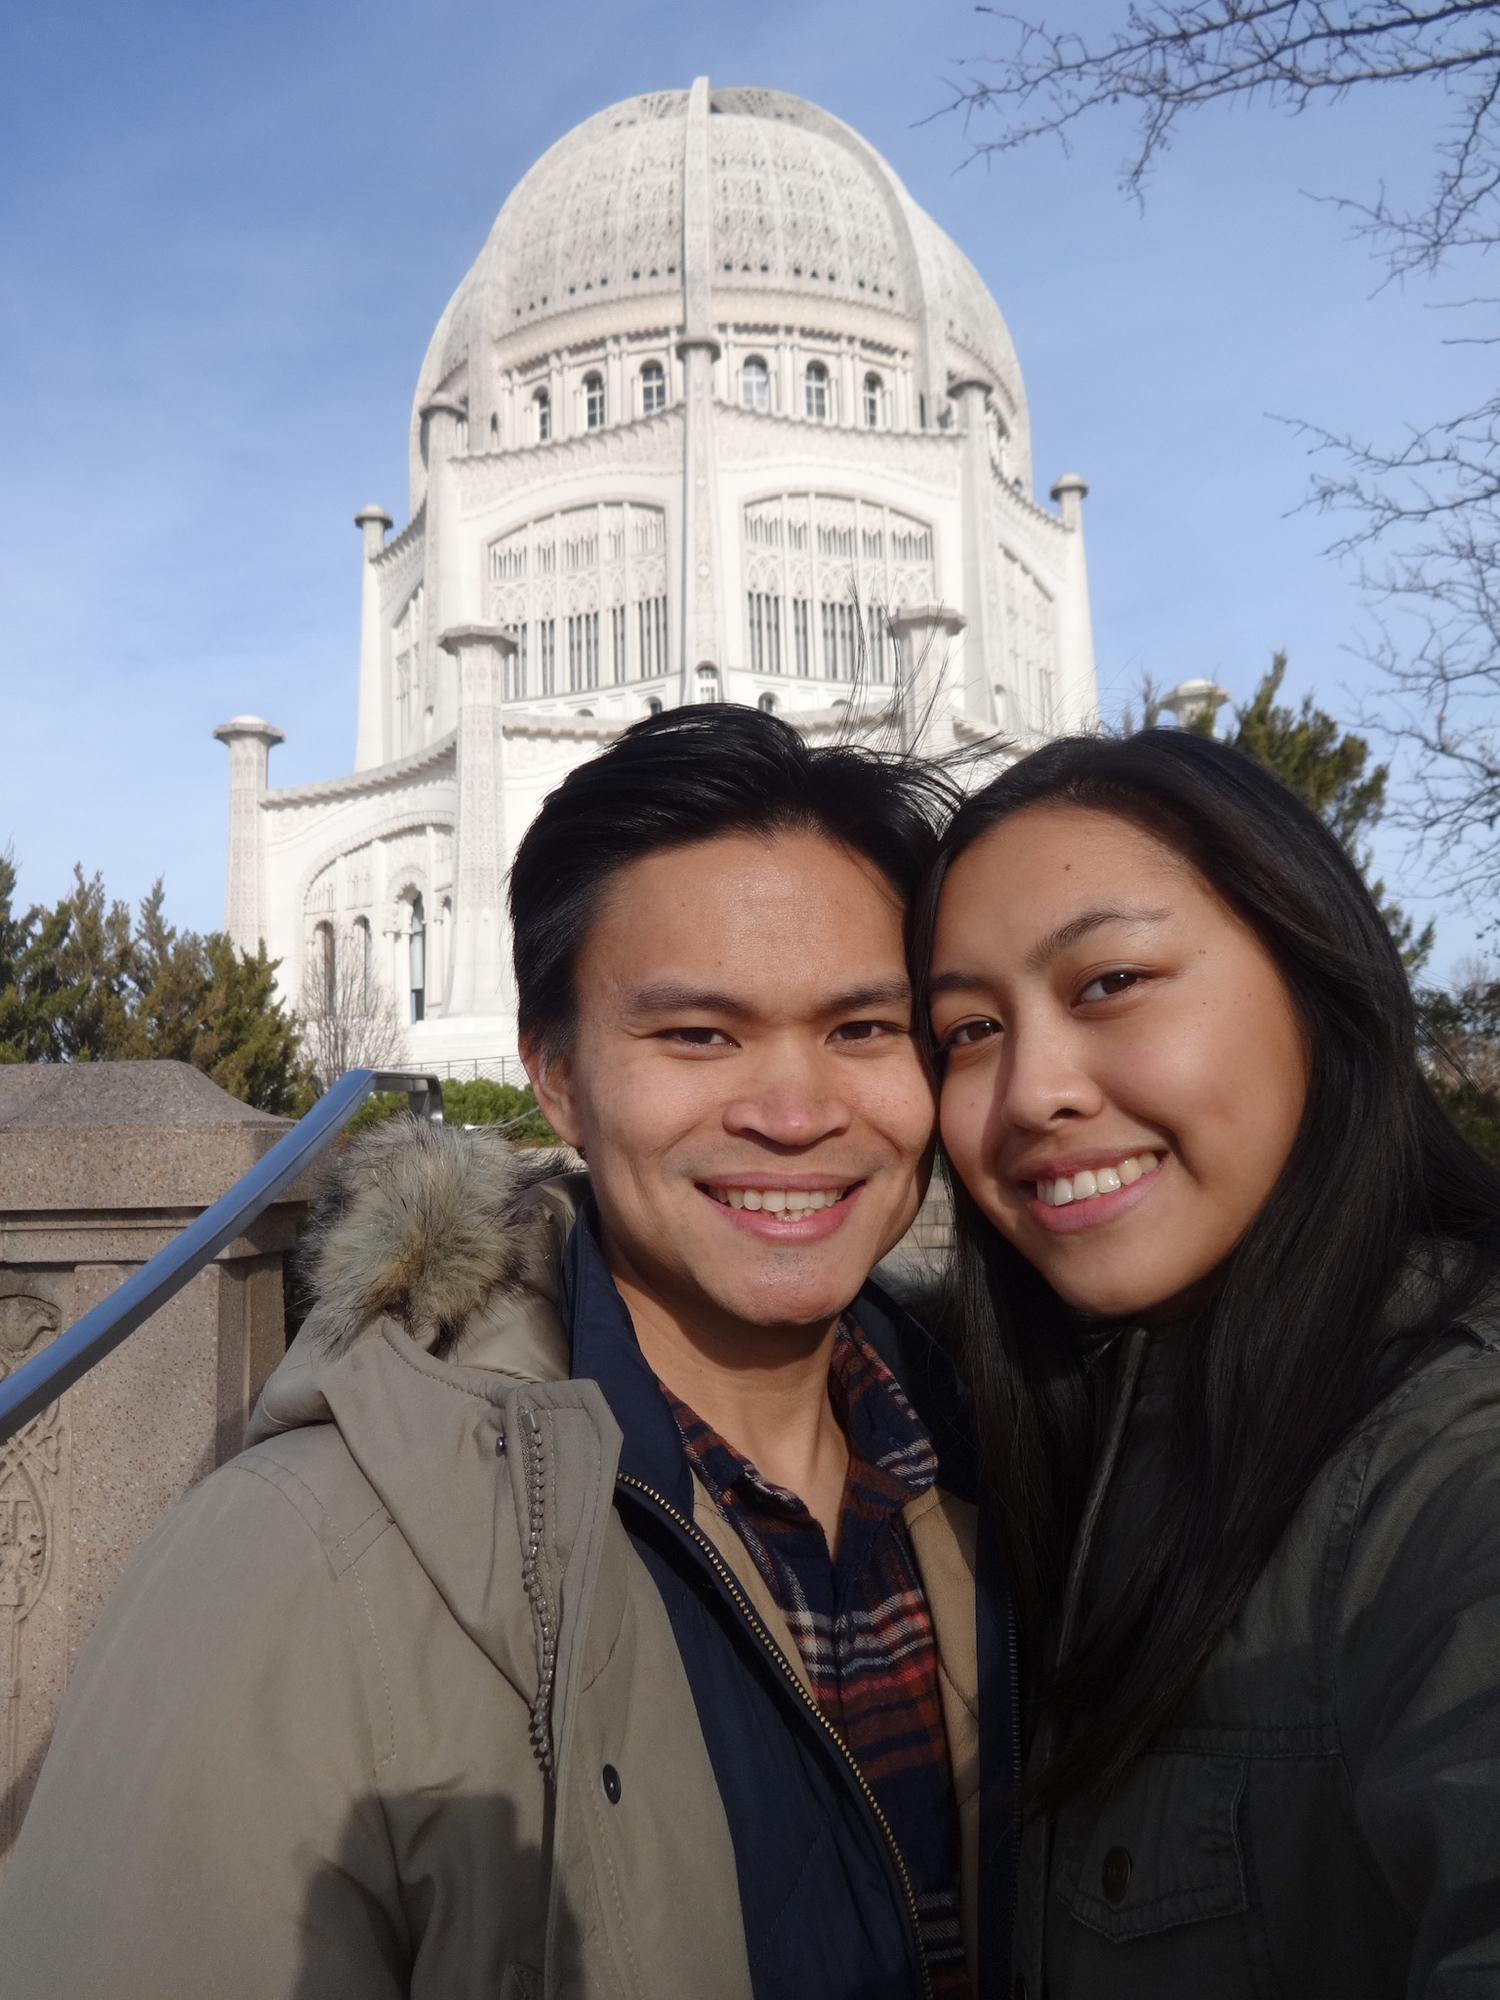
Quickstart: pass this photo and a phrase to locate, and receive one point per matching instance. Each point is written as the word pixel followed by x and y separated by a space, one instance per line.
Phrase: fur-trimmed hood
pixel 451 1233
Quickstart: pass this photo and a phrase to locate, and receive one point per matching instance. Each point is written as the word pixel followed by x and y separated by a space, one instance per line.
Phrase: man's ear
pixel 552 1079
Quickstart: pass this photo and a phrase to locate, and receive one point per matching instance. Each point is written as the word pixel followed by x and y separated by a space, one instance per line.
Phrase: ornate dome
pixel 779 197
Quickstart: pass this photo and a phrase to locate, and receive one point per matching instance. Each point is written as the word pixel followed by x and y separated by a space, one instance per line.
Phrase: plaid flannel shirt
pixel 861 1620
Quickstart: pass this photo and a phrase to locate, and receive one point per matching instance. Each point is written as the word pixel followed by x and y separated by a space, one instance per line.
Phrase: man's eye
pixel 1108 984
pixel 968 1033
pixel 869 1031
pixel 696 1038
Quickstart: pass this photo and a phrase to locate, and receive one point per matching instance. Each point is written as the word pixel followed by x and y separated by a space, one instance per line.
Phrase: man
pixel 592 1613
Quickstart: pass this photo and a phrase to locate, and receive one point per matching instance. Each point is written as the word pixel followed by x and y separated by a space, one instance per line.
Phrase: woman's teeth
pixel 1102 1180
pixel 780 1201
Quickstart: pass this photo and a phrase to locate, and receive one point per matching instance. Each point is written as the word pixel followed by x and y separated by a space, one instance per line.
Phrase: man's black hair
pixel 692 775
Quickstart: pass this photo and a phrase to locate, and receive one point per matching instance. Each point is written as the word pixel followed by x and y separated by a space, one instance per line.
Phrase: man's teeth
pixel 1102 1180
pixel 780 1201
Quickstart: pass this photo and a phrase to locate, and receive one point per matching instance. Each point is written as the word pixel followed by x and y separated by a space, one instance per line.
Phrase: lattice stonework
pixel 1030 645
pixel 407 658
pixel 819 565
pixel 585 592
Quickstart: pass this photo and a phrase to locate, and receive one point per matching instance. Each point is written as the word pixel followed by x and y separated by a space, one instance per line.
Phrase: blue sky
pixel 228 234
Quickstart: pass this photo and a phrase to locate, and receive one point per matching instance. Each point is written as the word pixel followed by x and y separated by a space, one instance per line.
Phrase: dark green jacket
pixel 1321 1819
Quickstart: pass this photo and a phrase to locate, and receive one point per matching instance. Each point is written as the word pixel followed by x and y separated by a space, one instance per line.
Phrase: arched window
pixel 494 429
pixel 874 400
pixel 364 960
pixel 586 711
pixel 653 706
pixel 755 384
pixel 417 948
pixel 815 392
pixel 767 702
pixel 707 680
pixel 542 403
pixel 653 388
pixel 593 402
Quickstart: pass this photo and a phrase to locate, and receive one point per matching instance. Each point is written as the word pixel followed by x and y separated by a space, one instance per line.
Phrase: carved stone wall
pixel 101 1165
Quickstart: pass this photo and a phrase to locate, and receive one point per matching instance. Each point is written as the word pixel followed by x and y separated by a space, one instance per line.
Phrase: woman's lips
pixel 1097 1210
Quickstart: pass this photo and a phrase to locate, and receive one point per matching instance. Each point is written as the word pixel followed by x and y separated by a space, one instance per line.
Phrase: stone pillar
pixel 250 741
pixel 1079 693
pixel 981 564
pixel 927 694
pixel 479 982
pixel 702 635
pixel 101 1165
pixel 374 525
pixel 441 417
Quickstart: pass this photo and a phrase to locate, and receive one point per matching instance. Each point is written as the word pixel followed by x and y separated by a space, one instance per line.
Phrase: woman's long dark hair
pixel 1295 1347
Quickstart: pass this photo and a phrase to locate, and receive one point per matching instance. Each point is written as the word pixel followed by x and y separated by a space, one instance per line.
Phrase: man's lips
pixel 800 1208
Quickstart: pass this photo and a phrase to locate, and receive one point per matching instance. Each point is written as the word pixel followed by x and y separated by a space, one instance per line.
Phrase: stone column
pixel 702 636
pixel 374 525
pixel 250 741
pixel 101 1165
pixel 479 981
pixel 1078 693
pixel 981 561
pixel 928 695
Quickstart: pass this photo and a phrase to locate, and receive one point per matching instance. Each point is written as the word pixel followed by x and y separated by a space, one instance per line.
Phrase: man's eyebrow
pixel 668 997
pixel 1079 927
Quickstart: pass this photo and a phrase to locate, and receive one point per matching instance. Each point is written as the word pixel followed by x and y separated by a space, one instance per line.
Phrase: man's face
pixel 744 1082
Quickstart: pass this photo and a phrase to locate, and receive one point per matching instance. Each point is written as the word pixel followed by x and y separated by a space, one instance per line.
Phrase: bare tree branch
pixel 347 1020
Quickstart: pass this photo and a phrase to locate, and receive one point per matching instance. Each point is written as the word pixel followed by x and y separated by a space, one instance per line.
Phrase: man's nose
pixel 794 1099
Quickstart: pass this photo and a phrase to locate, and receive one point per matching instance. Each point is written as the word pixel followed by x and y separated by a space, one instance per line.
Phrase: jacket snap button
pixel 611 1778
pixel 1116 1874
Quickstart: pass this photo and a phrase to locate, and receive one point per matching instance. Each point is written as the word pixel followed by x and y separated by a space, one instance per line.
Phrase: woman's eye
pixel 1108 984
pixel 967 1034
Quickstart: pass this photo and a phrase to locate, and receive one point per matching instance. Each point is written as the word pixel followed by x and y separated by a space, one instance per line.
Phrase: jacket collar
pixel 606 1350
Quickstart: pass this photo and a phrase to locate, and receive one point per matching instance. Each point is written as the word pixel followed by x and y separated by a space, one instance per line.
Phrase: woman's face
pixel 1124 1073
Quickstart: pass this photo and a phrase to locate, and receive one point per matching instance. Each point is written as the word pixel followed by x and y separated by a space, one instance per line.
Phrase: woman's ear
pixel 552 1079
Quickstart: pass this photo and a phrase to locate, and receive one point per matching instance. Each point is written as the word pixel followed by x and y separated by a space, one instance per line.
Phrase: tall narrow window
pixel 874 400
pixel 617 642
pixel 327 970
pixel 653 387
pixel 593 402
pixel 815 392
pixel 417 947
pixel 364 960
pixel 541 402
pixel 802 634
pixel 755 384
pixel 515 666
pixel 546 647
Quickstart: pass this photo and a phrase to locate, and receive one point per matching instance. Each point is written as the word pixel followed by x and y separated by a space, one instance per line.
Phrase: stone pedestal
pixel 101 1165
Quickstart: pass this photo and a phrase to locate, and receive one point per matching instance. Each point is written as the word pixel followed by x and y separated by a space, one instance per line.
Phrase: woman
pixel 1229 1281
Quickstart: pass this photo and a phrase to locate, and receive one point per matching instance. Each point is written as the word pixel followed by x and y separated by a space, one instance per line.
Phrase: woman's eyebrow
pixel 1079 927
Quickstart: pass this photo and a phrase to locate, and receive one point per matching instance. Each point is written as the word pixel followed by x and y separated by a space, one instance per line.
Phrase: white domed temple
pixel 718 413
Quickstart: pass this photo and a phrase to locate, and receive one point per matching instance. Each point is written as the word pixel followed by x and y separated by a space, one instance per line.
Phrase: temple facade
pixel 717 414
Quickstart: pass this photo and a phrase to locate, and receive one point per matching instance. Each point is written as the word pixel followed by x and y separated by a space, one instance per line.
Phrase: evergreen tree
pixel 83 983
pixel 1324 764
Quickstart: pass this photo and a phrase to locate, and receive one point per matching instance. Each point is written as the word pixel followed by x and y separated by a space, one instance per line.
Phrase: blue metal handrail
pixel 29 1391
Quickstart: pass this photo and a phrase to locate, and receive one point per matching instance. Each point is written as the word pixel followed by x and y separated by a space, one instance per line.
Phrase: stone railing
pixel 101 1164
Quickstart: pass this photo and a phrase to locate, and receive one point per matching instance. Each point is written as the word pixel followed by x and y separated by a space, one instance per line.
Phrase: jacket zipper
pixel 747 1611
pixel 536 1595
